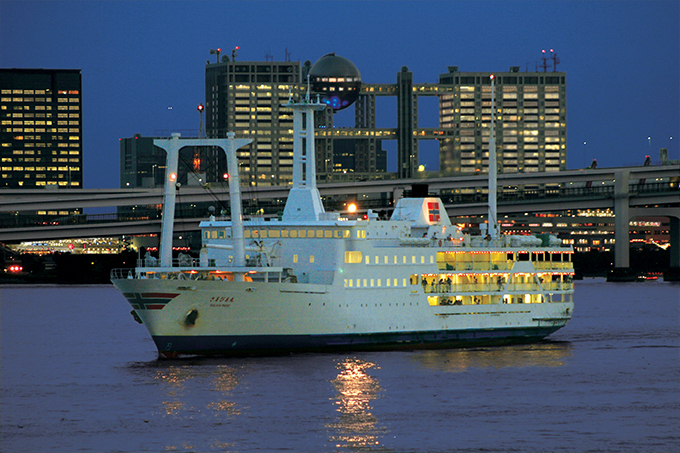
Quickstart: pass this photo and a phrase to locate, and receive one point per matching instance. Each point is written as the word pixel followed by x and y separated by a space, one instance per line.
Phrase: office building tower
pixel 530 123
pixel 245 97
pixel 41 131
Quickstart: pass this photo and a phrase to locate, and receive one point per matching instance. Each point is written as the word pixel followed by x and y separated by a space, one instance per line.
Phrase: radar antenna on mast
pixel 544 65
pixel 555 59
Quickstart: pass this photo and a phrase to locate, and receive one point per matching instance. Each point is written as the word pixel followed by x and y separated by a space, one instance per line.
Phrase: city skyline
pixel 622 60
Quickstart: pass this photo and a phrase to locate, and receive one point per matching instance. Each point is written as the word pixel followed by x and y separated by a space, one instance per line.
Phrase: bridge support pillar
pixel 673 273
pixel 621 221
pixel 621 271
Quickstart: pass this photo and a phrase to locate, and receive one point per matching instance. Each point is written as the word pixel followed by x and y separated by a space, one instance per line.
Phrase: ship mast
pixel 172 147
pixel 304 200
pixel 493 168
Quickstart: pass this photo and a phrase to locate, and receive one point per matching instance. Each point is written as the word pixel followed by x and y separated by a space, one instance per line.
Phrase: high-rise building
pixel 245 97
pixel 41 128
pixel 530 122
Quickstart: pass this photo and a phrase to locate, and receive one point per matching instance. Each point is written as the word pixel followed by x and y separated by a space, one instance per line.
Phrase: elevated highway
pixel 629 191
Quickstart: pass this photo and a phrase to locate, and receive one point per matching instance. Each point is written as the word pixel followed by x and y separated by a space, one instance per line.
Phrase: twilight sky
pixel 143 62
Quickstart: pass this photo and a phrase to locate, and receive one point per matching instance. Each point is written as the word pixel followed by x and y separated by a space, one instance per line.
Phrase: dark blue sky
pixel 138 59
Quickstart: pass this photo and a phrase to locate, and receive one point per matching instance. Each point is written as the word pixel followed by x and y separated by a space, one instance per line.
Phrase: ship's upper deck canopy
pixel 421 212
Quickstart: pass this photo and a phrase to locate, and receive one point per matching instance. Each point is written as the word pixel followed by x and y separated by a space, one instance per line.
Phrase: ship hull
pixel 250 318
pixel 227 345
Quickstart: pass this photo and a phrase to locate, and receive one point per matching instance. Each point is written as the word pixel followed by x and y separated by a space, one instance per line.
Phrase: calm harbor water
pixel 78 374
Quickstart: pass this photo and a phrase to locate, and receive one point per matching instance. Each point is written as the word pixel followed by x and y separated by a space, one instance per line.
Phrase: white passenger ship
pixel 319 281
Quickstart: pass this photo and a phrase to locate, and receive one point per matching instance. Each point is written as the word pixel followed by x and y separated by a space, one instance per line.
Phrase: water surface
pixel 78 374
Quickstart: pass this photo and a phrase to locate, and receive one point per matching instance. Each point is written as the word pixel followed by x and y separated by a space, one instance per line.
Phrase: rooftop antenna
pixel 545 62
pixel 287 55
pixel 268 56
pixel 234 53
pixel 308 98
pixel 555 59
pixel 216 52
pixel 201 126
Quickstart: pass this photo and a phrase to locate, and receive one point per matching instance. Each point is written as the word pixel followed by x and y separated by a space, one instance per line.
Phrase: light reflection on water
pixel 544 354
pixel 175 379
pixel 356 426
pixel 352 422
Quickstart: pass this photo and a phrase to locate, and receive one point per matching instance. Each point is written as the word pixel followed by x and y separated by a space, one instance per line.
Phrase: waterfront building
pixel 245 97
pixel 530 126
pixel 41 128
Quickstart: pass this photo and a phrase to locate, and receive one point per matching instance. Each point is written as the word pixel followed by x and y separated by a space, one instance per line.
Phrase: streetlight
pixel 584 154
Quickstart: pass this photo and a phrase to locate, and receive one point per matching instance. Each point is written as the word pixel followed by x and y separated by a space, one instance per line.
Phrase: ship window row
pixel 487 282
pixel 307 233
pixel 486 299
pixel 502 260
pixel 375 282
pixel 357 257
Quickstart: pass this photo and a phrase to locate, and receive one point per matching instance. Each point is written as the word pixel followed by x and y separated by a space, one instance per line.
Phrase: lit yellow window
pixel 213 234
pixel 328 233
pixel 388 282
pixel 404 282
pixel 310 233
pixel 346 284
pixel 319 233
pixel 353 257
pixel 386 260
pixel 284 233
pixel 368 260
pixel 346 234
pixel 351 283
pixel 293 233
pixel 274 233
pixel 365 281
pixel 311 258
pixel 295 258
pixel 246 234
pixel 379 283
pixel 372 282
pixel 395 282
pixel 302 233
